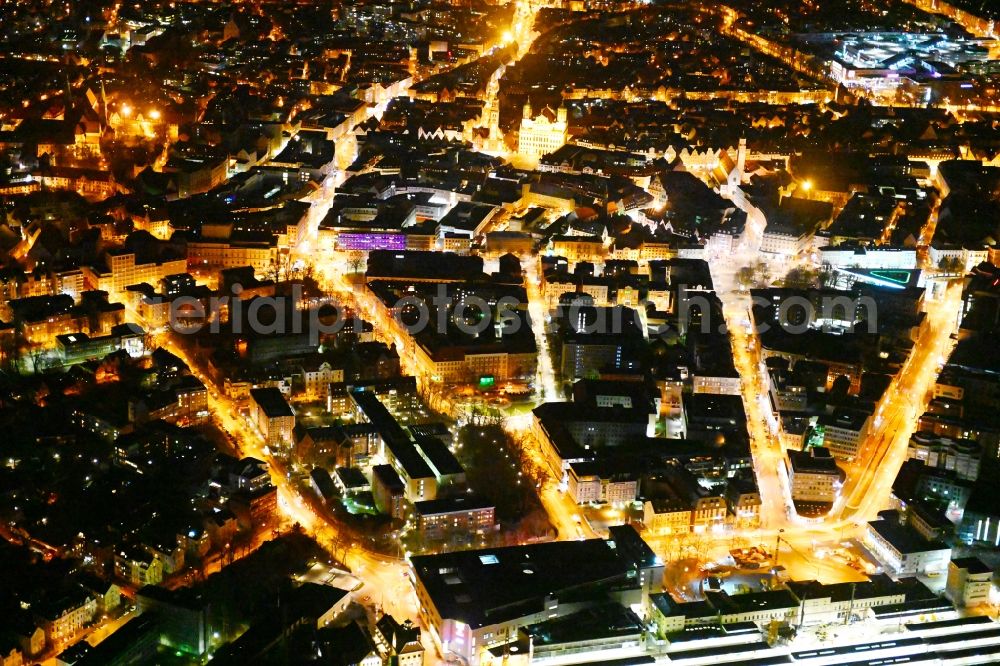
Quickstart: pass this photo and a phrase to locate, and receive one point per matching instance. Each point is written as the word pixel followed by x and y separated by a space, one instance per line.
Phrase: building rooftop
pixel 456 504
pixel 711 409
pixel 386 476
pixel 420 265
pixel 847 419
pixel 122 641
pixel 481 587
pixel 749 603
pixel 351 477
pixel 272 402
pixel 600 622
pixel 904 539
pixel 630 545
pixel 879 585
pixel 817 460
pixel 973 565
pixel 437 454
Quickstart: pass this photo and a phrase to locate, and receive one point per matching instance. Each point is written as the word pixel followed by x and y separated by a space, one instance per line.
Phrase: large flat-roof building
pixel 839 602
pixel 901 549
pixel 476 600
pixel 962 456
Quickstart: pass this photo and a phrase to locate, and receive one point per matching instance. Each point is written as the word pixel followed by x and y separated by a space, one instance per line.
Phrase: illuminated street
pixel 516 333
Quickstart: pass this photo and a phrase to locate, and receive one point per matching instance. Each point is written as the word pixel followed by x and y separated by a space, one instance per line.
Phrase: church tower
pixel 741 159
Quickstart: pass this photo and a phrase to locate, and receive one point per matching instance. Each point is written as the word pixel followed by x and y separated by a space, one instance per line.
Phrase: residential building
pixel 350 480
pixel 576 248
pixel 262 255
pixel 122 269
pixel 420 482
pixel 28 633
pixel 400 642
pixel 596 483
pixel 743 498
pixel 467 513
pixel 64 615
pixel 503 351
pixel 599 339
pixel 273 417
pixel 322 484
pixel 388 491
pixel 249 475
pixel 139 566
pixel 10 651
pixel 318 374
pixel 666 516
pixel 708 512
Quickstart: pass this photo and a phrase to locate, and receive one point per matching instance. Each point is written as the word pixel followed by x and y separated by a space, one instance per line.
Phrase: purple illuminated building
pixel 371 241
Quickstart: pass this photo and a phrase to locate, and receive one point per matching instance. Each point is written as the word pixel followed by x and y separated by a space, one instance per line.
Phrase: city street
pixel 385 579
pixel 265 272
pixel 885 450
pixel 386 582
pixel 870 477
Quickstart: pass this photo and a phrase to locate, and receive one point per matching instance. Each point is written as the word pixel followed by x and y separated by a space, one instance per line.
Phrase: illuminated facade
pixel 272 416
pixel 665 516
pixel 64 621
pixel 541 134
pixel 475 600
pixel 901 550
pixel 123 270
pixel 370 241
pixel 221 253
pixel 884 63
pixel 458 513
pixel 814 476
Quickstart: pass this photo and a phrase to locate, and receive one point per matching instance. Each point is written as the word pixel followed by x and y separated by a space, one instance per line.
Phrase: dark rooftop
pixel 272 402
pixel 451 505
pixel 904 539
pixel 481 587
pixel 436 452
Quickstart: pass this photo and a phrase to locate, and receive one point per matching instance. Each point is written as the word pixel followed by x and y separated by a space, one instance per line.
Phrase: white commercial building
pixel 814 476
pixel 902 550
pixel 868 258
